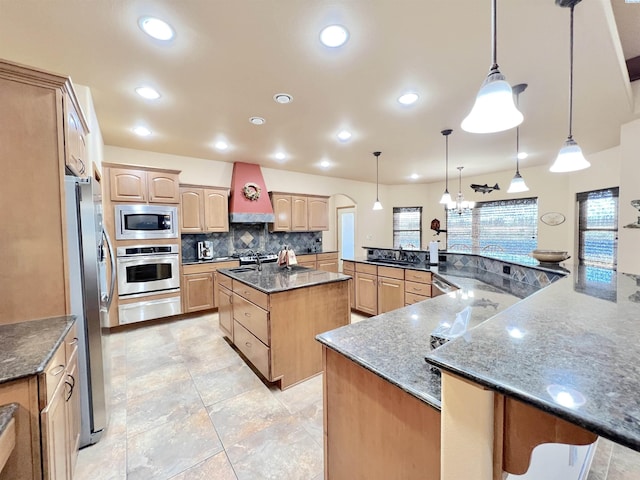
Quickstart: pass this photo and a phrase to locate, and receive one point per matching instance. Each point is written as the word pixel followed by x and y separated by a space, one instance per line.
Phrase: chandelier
pixel 461 205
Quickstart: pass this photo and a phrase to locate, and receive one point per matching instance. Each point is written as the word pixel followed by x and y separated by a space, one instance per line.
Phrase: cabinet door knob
pixel 247 314
pixel 57 371
pixel 247 344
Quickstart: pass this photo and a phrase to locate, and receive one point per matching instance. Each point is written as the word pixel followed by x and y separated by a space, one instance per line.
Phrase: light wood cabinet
pixel 307 260
pixel 318 213
pixel 225 310
pixel 299 213
pixel 75 139
pixel 203 209
pixel 327 262
pixel 140 185
pixel 198 292
pixel 349 268
pixel 299 221
pixel 390 289
pixel 199 285
pixel 267 330
pixel 366 289
pixel 417 286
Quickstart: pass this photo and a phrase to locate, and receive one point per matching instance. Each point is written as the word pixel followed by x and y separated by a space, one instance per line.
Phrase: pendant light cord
pixel 446 156
pixel 518 137
pixel 377 174
pixel 571 74
pixel 494 44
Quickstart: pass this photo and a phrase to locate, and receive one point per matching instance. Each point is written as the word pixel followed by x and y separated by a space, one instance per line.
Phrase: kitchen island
pixel 273 314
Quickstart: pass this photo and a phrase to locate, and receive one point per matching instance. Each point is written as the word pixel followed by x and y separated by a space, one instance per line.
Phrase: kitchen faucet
pixel 257 257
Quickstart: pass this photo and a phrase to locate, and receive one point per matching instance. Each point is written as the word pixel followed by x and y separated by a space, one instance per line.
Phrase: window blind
pixel 598 227
pixel 503 226
pixel 407 227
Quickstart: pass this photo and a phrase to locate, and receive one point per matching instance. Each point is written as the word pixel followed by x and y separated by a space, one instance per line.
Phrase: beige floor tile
pixel 169 449
pixel 160 378
pixel 601 459
pixel 201 361
pixel 300 396
pixel 106 460
pixel 356 317
pixel 270 454
pixel 246 414
pixel 311 419
pixel 214 468
pixel 155 408
pixel 625 464
pixel 224 383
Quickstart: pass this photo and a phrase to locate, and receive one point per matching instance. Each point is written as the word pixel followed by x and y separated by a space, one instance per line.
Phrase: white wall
pixel 629 238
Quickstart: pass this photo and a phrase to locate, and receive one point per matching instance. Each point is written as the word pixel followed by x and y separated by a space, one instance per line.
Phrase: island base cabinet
pixel 389 433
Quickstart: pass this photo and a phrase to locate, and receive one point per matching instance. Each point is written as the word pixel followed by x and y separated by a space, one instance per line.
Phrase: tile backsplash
pixel 250 236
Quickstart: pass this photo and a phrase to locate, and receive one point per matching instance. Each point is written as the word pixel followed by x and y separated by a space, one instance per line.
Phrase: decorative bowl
pixel 550 256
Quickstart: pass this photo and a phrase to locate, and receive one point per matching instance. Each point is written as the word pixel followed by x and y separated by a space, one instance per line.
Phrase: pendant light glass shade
pixel 570 157
pixel 377 205
pixel 446 197
pixel 517 184
pixel 494 110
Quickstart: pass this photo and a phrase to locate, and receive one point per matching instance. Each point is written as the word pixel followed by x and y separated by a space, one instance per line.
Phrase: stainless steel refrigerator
pixel 90 294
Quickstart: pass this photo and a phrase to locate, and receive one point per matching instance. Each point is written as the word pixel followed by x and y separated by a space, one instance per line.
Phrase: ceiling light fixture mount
pixel 283 98
pixel 257 120
pixel 344 135
pixel 493 110
pixel 334 36
pixel 517 184
pixel 408 98
pixel 570 157
pixel 148 93
pixel 377 205
pixel 446 197
pixel 142 131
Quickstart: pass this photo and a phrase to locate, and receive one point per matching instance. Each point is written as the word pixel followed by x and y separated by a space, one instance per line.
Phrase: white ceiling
pixel 231 56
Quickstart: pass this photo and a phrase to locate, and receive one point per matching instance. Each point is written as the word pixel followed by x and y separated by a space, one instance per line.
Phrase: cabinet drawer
pixel 417 276
pixel 391 272
pixel 348 266
pixel 411 298
pixel 255 319
pixel 54 373
pixel 366 268
pixel 259 298
pixel 306 258
pixel 252 348
pixel 71 342
pixel 328 256
pixel 225 281
pixel 198 268
pixel 418 288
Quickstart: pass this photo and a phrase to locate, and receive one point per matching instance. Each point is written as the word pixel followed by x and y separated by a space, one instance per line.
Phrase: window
pixel 598 227
pixel 504 226
pixel 407 228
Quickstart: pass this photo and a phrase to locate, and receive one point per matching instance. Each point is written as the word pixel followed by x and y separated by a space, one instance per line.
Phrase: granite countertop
pixel 194 261
pixel 273 279
pixel 393 345
pixel 6 414
pixel 27 347
pixel 569 350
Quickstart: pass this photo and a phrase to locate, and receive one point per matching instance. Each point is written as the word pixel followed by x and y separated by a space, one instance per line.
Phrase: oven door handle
pixel 112 260
pixel 140 259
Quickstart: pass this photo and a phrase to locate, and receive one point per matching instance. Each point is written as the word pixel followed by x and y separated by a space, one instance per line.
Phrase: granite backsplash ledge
pixel 250 236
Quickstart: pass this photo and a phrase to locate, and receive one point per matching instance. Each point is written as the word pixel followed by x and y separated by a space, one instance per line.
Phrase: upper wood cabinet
pixel 203 209
pixel 76 131
pixel 299 213
pixel 143 186
pixel 318 213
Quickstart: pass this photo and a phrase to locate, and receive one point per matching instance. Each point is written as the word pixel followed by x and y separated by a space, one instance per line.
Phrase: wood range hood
pixel 249 200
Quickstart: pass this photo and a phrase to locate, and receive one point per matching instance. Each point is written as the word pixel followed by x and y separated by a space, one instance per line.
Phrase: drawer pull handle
pixel 74 341
pixel 247 314
pixel 57 371
pixel 247 344
pixel 418 289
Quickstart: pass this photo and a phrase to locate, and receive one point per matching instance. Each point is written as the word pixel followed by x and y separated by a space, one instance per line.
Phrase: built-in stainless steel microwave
pixel 145 222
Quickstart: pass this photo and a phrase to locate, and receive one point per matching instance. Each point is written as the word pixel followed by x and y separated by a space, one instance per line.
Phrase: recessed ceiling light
pixel 280 156
pixel 522 155
pixel 414 176
pixel 142 131
pixel 408 98
pixel 344 135
pixel 334 36
pixel 257 120
pixel 283 98
pixel 221 145
pixel 148 93
pixel 325 164
pixel 156 28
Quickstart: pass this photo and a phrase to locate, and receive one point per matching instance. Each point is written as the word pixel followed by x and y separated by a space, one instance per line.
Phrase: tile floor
pixel 183 405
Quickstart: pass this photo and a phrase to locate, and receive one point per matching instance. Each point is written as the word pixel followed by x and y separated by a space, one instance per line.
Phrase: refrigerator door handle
pixel 113 269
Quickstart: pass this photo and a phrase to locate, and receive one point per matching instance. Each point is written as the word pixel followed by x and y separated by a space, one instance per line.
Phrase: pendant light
pixel 446 198
pixel 460 205
pixel 570 157
pixel 494 110
pixel 377 205
pixel 517 183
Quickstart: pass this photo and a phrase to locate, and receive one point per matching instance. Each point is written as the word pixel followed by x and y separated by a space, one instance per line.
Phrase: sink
pixel 242 269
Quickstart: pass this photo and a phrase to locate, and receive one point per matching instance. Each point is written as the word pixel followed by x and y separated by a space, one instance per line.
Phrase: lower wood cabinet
pixel 366 292
pixel 349 268
pixel 199 289
pixel 390 289
pixel 327 262
pixel 225 308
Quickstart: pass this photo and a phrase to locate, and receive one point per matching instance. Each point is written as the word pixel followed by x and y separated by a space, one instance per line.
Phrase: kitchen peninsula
pixel 376 375
pixel 273 314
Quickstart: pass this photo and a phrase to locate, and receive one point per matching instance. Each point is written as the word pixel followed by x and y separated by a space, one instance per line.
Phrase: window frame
pixel 399 210
pixel 581 200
